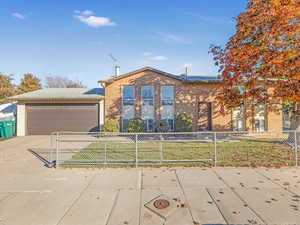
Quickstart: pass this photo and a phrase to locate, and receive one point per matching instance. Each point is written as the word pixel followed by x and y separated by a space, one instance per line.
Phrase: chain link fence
pixel 274 149
pixel 257 149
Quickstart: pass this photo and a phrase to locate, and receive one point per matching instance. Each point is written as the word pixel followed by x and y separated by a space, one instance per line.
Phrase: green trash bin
pixel 1 129
pixel 7 129
pixel 14 127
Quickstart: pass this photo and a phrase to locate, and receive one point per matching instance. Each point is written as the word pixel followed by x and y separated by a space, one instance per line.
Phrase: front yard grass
pixel 245 152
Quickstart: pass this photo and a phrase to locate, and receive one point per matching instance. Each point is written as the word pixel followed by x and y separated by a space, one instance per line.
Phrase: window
pixel 238 115
pixel 147 95
pixel 128 106
pixel 167 95
pixel 128 95
pixel 286 114
pixel 239 118
pixel 167 105
pixel 260 118
pixel 149 125
pixel 259 125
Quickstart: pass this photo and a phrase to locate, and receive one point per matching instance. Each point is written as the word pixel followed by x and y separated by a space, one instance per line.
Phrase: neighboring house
pixel 146 93
pixel 8 111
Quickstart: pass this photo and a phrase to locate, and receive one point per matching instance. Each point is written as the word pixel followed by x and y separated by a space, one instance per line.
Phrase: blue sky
pixel 73 38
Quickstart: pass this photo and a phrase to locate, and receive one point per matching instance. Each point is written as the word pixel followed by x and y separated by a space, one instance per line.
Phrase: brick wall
pixel 187 97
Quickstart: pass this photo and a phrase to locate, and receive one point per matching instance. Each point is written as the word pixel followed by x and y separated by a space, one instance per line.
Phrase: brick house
pixel 154 95
pixel 146 93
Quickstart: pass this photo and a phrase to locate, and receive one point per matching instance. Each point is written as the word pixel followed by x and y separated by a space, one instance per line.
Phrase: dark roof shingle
pixel 62 93
pixel 183 78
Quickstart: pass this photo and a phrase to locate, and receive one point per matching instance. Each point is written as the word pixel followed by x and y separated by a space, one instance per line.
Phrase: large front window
pixel 128 105
pixel 147 94
pixel 167 105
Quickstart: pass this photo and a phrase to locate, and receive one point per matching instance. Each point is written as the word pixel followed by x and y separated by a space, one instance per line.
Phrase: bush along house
pixel 145 100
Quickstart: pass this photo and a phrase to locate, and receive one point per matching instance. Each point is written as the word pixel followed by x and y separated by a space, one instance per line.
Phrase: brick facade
pixel 187 95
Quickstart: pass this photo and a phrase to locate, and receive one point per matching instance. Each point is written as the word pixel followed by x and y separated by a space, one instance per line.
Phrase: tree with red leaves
pixel 263 54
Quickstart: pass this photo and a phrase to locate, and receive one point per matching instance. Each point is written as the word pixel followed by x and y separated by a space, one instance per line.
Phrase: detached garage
pixel 60 109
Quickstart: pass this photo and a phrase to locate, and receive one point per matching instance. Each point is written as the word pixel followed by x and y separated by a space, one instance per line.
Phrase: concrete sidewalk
pixel 32 194
pixel 118 196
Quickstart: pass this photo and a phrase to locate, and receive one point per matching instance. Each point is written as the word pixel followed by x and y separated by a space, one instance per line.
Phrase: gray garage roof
pixel 62 93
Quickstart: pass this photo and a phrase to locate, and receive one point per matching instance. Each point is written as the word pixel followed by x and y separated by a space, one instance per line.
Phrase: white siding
pixel 101 113
pixel 21 119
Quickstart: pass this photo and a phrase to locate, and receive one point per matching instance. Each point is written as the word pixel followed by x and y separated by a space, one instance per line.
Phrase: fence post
pixel 57 150
pixel 105 153
pixel 136 150
pixel 296 148
pixel 215 147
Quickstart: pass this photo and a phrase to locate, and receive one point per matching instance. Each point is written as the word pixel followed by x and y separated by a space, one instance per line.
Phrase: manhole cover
pixel 161 203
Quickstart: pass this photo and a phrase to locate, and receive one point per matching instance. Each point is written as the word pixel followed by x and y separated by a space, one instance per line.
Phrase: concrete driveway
pixel 31 194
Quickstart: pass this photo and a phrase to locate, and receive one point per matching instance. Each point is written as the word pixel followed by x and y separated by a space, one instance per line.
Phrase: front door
pixel 204 116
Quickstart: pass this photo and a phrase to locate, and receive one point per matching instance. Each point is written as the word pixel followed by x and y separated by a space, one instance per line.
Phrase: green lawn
pixel 249 152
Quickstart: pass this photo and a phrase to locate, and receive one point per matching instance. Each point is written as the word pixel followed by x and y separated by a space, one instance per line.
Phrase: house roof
pixel 62 93
pixel 201 79
pixel 183 78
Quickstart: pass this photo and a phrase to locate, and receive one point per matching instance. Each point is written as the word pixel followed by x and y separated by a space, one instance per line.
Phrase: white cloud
pixel 84 12
pixel 158 58
pixel 151 57
pixel 87 13
pixel 94 21
pixel 87 17
pixel 18 15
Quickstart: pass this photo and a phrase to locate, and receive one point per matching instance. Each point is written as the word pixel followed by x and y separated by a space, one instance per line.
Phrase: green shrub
pixel 184 123
pixel 162 126
pixel 110 126
pixel 135 125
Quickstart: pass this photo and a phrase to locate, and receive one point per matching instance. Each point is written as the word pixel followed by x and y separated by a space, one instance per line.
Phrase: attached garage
pixel 60 109
pixel 48 118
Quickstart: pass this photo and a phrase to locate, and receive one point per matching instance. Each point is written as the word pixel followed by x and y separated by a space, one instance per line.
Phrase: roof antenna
pixel 186 72
pixel 116 68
